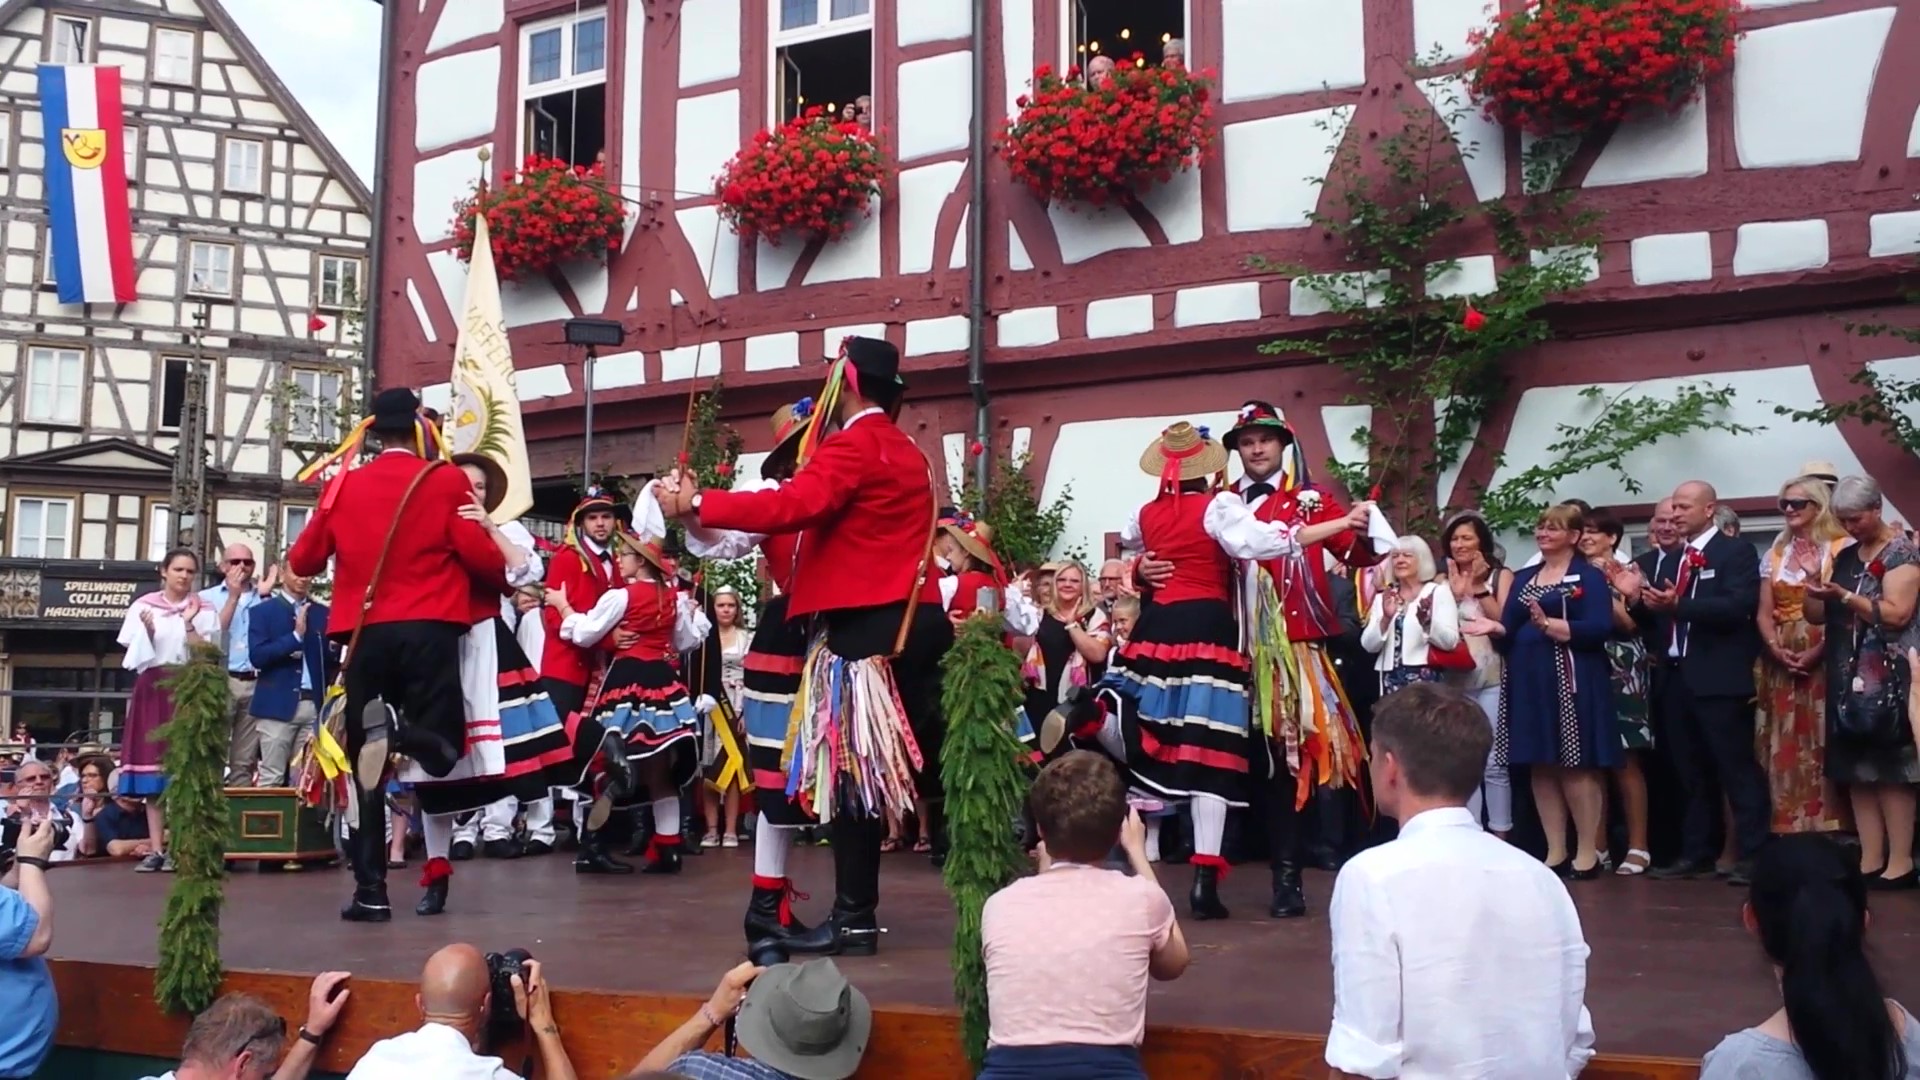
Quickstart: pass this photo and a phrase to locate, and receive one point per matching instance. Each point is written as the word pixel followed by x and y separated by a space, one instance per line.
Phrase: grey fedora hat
pixel 806 1020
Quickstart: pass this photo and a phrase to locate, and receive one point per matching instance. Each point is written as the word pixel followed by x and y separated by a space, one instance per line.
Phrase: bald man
pixel 1707 696
pixel 234 599
pixel 454 1001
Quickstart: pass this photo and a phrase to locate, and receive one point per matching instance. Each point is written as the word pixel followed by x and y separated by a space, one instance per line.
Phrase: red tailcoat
pixel 437 556
pixel 863 507
pixel 585 578
pixel 1302 583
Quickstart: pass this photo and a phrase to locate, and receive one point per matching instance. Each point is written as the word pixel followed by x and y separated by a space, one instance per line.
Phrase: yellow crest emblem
pixel 85 148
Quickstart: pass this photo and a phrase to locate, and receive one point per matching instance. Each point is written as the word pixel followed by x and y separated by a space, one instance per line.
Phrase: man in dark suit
pixel 1710 646
pixel 287 641
pixel 403 671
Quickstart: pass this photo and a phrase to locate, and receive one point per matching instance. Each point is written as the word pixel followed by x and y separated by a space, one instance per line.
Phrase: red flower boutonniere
pixel 1876 569
pixel 1695 559
pixel 1576 593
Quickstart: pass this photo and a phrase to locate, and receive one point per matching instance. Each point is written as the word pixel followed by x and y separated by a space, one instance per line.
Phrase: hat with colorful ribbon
pixel 1181 453
pixel 396 411
pixel 789 424
pixel 1259 415
pixel 863 361
pixel 976 539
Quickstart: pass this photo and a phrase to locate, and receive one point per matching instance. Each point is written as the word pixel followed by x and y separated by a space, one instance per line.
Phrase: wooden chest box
pixel 272 823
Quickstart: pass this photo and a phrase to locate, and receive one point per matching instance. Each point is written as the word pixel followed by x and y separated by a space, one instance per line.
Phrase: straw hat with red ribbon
pixel 976 539
pixel 648 548
pixel 1184 452
pixel 789 424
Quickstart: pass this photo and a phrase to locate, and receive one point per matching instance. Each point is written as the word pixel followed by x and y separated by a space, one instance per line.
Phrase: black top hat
pixel 395 409
pixel 877 361
pixel 1258 414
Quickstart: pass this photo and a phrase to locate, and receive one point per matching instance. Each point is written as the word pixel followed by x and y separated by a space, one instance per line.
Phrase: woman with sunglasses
pixel 1791 679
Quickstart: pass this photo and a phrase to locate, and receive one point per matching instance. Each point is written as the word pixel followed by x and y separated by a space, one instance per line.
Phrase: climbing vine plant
pixel 1885 403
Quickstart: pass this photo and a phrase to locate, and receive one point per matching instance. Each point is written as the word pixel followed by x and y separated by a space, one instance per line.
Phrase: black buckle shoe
pixel 502 849
pixel 377 725
pixel 1289 896
pixel 435 900
pixel 662 859
pixel 616 767
pixel 843 933
pixel 369 906
pixel 1204 900
pixel 461 851
pixel 764 923
pixel 593 859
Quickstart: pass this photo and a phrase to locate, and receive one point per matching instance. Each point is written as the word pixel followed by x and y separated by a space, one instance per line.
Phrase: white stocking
pixel 1153 839
pixel 1209 823
pixel 436 831
pixel 770 846
pixel 666 815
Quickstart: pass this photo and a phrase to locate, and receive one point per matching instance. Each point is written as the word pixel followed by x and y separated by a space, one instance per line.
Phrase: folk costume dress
pixel 642 695
pixel 153 656
pixel 1791 726
pixel 961 592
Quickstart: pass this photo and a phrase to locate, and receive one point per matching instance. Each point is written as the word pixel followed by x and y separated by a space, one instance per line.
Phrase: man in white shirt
pixel 454 1001
pixel 1455 955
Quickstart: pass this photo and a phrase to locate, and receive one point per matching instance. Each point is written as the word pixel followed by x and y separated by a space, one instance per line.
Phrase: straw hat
pixel 974 537
pixel 648 549
pixel 1187 449
pixel 496 477
pixel 1821 470
pixel 789 424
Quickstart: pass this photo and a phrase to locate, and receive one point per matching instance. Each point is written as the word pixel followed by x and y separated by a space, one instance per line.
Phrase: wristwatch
pixel 34 861
pixel 308 1036
pixel 694 505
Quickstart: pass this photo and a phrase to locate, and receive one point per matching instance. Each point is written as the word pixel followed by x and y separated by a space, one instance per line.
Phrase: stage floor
pixel 1671 972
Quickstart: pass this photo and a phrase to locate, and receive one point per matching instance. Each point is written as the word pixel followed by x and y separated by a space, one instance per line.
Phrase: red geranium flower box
pixel 1573 65
pixel 1075 143
pixel 813 175
pixel 548 213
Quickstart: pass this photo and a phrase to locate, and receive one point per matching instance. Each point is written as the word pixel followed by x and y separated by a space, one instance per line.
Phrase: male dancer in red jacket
pixel 403 674
pixel 863 504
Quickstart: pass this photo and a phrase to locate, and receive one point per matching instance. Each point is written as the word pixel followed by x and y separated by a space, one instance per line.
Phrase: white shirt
pixel 1675 646
pixel 1456 956
pixel 436 1051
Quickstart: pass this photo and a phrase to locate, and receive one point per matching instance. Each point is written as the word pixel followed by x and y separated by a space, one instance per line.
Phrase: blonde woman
pixel 1070 648
pixel 1791 728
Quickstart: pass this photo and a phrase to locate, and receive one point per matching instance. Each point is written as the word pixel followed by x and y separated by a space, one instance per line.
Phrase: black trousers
pixel 1710 741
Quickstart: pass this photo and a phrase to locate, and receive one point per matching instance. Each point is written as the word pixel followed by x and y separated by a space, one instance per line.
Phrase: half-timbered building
pixel 1738 234
pixel 250 235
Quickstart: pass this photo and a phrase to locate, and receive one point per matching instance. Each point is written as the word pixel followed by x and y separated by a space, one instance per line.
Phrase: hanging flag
pixel 485 417
pixel 92 231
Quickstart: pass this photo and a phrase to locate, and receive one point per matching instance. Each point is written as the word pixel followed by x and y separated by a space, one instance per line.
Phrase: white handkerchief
pixel 1379 533
pixel 648 519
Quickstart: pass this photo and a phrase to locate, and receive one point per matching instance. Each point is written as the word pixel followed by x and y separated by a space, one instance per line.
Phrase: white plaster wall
pixel 1659 147
pixel 634 57
pixel 706 135
pixel 715 247
pixel 1444 25
pixel 1346 442
pixel 1276 47
pixel 709 41
pixel 1482 142
pixel 1774 247
pixel 1027 327
pixel 467 20
pixel 1120 316
pixel 923 191
pixel 1472 276
pixel 438 183
pixel 1669 258
pixel 1176 206
pixel 1800 89
pixel 1270 163
pixel 772 265
pixel 1099 458
pixel 770 352
pixel 528 303
pixel 936 104
pixel 1088 231
pixel 1016 50
pixel 1210 305
pixel 700 360
pixel 830 341
pixel 928 336
pixel 1894 234
pixel 619 370
pixel 853 257
pixel 921 21
pixel 455 99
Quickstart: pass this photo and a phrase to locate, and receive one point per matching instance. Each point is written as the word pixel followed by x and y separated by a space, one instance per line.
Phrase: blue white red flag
pixel 92 231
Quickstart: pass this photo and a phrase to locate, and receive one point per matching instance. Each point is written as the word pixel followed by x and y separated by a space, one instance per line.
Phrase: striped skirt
pixel 773 663
pixel 514 734
pixel 1180 692
pixel 645 701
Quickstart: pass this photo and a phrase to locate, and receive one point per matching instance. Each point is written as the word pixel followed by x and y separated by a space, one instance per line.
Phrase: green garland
pixel 986 786
pixel 195 763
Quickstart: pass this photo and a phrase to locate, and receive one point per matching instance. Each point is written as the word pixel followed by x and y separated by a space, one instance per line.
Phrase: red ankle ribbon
pixel 438 869
pixel 788 894
pixel 1219 863
pixel 657 843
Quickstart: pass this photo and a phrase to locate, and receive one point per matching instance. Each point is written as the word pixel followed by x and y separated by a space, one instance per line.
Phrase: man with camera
pixel 27 998
pixel 470 1002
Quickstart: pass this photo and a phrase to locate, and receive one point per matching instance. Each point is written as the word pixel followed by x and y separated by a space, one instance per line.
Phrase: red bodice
pixel 1172 527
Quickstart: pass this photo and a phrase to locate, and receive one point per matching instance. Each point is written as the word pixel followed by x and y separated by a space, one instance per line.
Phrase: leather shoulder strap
pixel 380 564
pixel 926 558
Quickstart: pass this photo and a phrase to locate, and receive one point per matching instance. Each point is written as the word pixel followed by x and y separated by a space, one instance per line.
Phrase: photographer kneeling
pixel 27 1000
pixel 457 1002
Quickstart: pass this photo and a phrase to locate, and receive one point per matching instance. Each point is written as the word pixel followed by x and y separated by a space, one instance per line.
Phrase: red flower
pixel 1576 593
pixel 724 468
pixel 548 213
pixel 813 175
pixel 1876 569
pixel 974 449
pixel 1100 144
pixel 315 324
pixel 1695 559
pixel 1472 321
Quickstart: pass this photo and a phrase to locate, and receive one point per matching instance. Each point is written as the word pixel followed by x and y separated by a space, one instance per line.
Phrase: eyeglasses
pixel 1795 505
pixel 239 562
pixel 1105 580
pixel 33 778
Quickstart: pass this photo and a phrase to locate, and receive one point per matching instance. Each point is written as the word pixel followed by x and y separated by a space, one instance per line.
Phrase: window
pixel 563 87
pixel 6 139
pixel 209 269
pixel 173 59
pixel 1135 32
pixel 313 408
pixel 131 149
pixel 293 519
pixel 53 385
pixel 242 168
pixel 823 56
pixel 41 528
pixel 47 280
pixel 70 40
pixel 339 282
pixel 160 535
pixel 173 388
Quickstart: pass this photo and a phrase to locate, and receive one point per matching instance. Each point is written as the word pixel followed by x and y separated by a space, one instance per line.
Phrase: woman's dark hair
pixel 1488 550
pixel 1604 521
pixel 1809 901
pixel 176 553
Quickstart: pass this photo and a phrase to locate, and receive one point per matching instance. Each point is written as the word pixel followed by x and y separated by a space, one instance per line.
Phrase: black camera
pixel 12 827
pixel 503 1017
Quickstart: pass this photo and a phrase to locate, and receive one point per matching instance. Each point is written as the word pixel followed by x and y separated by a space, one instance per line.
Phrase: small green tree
pixel 1025 532
pixel 188 975
pixel 1885 403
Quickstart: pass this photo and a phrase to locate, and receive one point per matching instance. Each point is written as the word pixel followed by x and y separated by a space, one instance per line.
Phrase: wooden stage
pixel 1671 972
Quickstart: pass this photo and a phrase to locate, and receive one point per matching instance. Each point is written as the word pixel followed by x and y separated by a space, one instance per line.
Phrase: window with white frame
pixel 1137 33
pixel 173 388
pixel 313 406
pixel 173 56
pixel 293 519
pixel 55 378
pixel 131 149
pixel 47 280
pixel 70 40
pixel 243 165
pixel 6 139
pixel 823 57
pixel 563 87
pixel 160 533
pixel 42 528
pixel 209 269
pixel 338 287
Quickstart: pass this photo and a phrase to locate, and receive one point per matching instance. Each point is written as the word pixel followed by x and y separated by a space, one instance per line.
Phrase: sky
pixel 327 52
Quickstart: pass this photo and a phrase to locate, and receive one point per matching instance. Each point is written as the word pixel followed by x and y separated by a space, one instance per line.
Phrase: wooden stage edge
pixel 110 1007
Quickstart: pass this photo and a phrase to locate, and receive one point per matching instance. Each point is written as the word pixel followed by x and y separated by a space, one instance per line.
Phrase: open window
pixel 823 57
pixel 1155 30
pixel 173 388
pixel 563 87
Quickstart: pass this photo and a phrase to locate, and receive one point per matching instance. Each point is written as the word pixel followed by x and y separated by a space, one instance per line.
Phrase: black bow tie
pixel 1257 489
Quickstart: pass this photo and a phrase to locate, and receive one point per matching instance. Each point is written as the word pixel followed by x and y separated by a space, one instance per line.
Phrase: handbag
pixel 1876 716
pixel 1457 658
pixel 326 761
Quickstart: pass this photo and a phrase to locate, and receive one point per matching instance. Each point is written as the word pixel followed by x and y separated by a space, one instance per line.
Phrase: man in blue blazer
pixel 287 642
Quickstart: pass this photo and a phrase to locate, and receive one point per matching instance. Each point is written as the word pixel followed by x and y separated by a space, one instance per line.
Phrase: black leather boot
pixel 1204 900
pixel 438 876
pixel 641 816
pixel 1289 897
pixel 618 770
pixel 770 913
pixel 853 928
pixel 662 855
pixel 367 854
pixel 593 857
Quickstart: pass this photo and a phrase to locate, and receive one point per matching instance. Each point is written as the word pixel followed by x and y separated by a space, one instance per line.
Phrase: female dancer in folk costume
pixel 969 569
pixel 1174 709
pixel 641 696
pixel 514 734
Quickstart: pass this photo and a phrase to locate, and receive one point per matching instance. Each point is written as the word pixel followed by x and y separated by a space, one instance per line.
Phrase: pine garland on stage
pixel 986 787
pixel 195 761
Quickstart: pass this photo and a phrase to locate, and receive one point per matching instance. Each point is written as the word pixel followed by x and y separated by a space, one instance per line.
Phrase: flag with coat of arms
pixel 90 226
